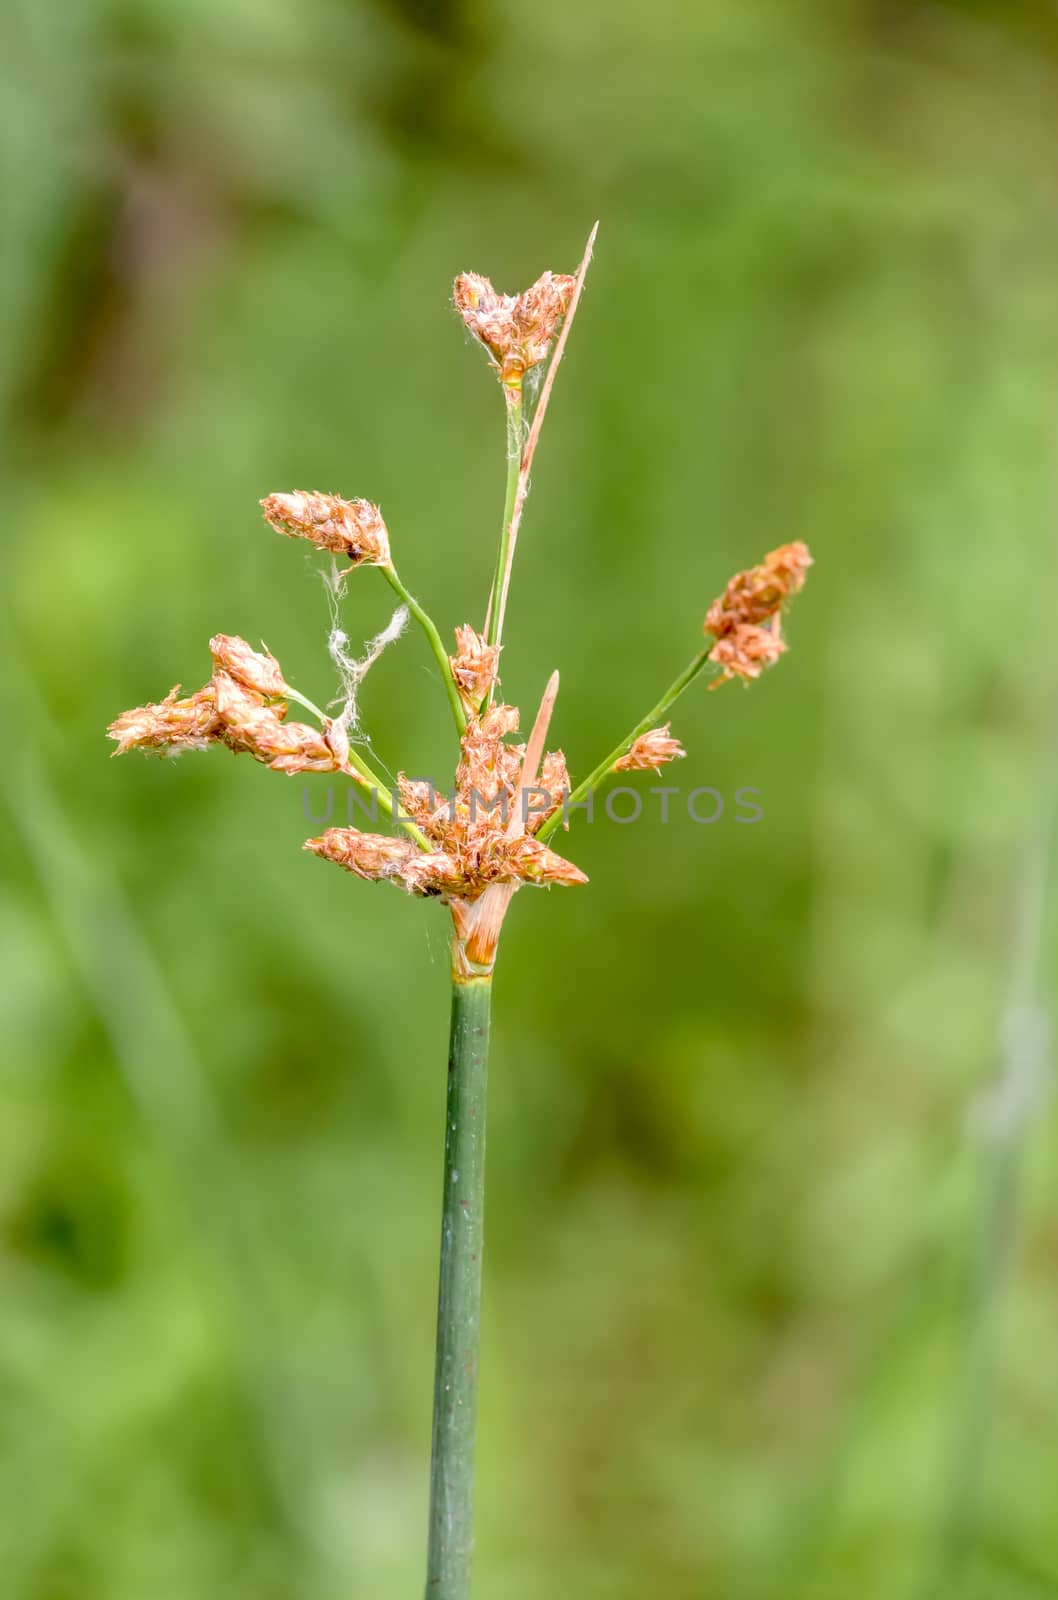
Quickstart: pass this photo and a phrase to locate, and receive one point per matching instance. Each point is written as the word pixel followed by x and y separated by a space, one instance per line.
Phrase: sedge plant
pixel 474 849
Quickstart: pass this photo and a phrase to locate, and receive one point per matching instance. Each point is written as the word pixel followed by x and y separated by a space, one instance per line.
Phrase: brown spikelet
pixel 532 862
pixel 255 669
pixel 744 646
pixel 756 595
pixel 746 651
pixel 171 724
pixel 422 803
pixel 473 667
pixel 253 727
pixel 368 855
pixel 352 528
pixel 650 752
pixel 554 781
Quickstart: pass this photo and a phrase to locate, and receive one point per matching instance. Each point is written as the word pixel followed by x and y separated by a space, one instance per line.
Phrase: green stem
pixel 429 628
pixel 512 394
pixel 459 1297
pixel 364 774
pixel 651 720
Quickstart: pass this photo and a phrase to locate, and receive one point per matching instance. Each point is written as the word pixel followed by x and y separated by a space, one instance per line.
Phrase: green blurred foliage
pixel 763 1319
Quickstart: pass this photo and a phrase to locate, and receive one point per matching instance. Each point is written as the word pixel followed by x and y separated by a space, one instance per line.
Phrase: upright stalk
pixel 459 1297
pixel 512 394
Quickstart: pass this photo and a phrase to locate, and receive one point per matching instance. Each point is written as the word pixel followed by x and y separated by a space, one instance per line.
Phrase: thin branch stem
pixel 451 1535
pixel 651 720
pixel 364 774
pixel 429 628
pixel 512 394
pixel 518 489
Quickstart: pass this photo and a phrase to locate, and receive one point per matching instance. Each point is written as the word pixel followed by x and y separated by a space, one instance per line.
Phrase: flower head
pixel 479 838
pixel 243 707
pixel 473 667
pixel 171 724
pixel 352 528
pixel 517 330
pixel 255 669
pixel 758 594
pixel 650 752
pixel 744 645
pixel 745 652
pixel 368 855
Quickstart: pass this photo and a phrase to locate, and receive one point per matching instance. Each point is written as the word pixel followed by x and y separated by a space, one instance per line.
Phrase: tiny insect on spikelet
pixel 474 848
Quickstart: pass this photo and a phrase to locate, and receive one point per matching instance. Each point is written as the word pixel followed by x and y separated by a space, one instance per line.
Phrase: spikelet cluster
pixel 516 330
pixel 243 706
pixel 746 619
pixel 481 836
pixel 350 528
pixel 476 846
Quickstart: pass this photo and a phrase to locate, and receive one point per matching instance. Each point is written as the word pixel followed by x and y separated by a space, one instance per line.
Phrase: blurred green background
pixel 771 1293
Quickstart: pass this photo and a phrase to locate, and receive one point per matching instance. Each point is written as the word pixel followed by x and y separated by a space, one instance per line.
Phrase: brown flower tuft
pixel 533 862
pixel 650 752
pixel 352 528
pixel 554 780
pixel 756 595
pixel 517 330
pixel 242 707
pixel 252 727
pixel 473 667
pixel 744 646
pixel 368 855
pixel 746 651
pixel 255 669
pixel 171 724
pixel 480 839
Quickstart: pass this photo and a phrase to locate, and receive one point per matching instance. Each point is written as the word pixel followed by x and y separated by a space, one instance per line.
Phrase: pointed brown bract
pixel 517 330
pixel 650 752
pixel 352 528
pixel 744 647
pixel 473 667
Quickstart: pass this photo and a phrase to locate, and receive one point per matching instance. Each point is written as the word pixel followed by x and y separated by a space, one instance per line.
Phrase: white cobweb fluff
pixel 352 670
